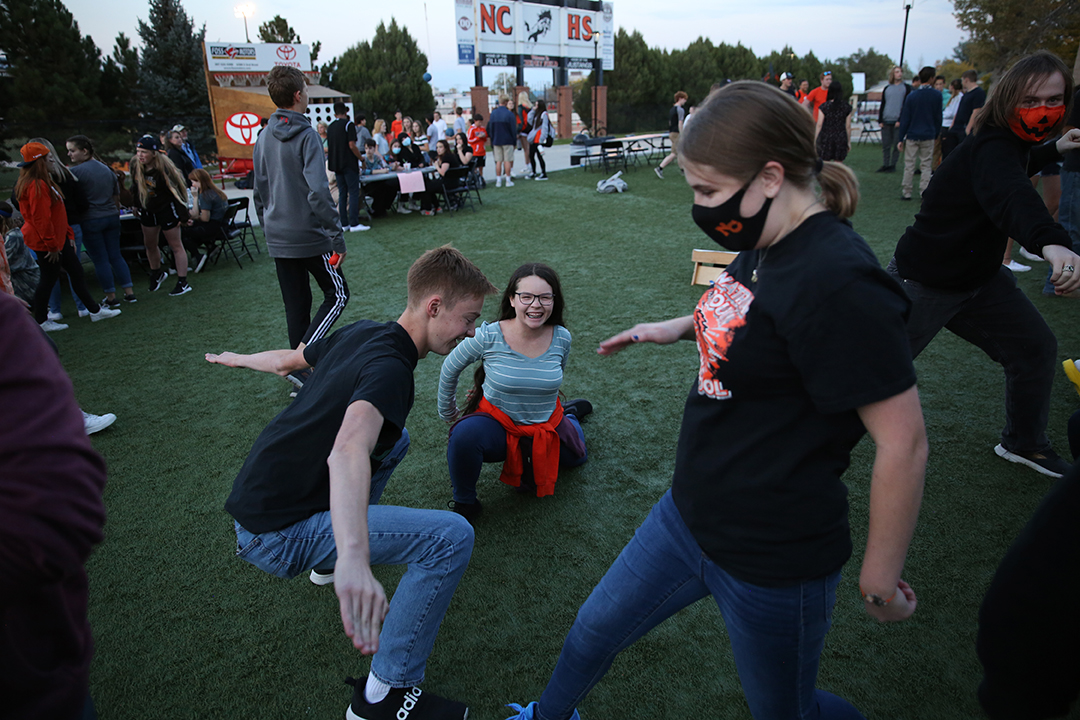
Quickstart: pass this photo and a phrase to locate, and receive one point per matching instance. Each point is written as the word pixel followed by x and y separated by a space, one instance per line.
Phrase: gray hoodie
pixel 292 195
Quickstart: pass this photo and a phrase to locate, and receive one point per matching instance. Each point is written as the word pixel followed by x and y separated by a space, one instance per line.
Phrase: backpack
pixel 612 184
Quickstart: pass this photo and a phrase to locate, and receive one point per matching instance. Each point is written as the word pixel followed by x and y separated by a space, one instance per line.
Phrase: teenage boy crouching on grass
pixel 307 496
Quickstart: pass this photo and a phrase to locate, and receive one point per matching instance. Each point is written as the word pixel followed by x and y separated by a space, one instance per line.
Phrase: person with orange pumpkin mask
pixel 949 259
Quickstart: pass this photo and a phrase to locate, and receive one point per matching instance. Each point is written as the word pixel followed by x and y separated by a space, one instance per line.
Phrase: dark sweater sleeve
pixel 51 511
pixel 1007 197
pixel 1041 156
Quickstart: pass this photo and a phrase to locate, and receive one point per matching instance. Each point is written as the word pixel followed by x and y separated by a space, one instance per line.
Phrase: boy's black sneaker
pixel 299 377
pixel 1046 462
pixel 469 511
pixel 403 704
pixel 158 280
pixel 182 288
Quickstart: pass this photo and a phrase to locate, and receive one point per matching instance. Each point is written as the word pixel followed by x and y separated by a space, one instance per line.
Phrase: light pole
pixel 245 11
pixel 598 78
pixel 903 43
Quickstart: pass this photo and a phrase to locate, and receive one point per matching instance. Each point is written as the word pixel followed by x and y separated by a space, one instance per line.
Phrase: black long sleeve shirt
pixel 979 197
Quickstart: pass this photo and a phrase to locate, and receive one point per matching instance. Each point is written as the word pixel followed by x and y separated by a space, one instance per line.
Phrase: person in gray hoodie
pixel 296 212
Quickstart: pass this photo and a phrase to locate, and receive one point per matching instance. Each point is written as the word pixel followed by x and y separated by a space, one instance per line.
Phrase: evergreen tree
pixel 55 70
pixel 386 74
pixel 172 83
pixel 120 80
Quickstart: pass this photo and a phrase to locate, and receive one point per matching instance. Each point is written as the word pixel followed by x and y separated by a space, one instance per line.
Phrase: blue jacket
pixel 502 127
pixel 921 116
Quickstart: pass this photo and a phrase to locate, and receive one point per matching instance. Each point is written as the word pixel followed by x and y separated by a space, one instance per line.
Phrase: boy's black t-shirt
pixel 771 419
pixel 285 478
pixel 972 101
pixel 339 156
pixel 674 116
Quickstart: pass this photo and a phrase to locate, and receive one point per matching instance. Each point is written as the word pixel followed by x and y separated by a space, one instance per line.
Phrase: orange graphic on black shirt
pixel 721 310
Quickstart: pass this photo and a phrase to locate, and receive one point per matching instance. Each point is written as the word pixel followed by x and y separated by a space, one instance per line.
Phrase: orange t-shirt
pixel 396 128
pixel 817 98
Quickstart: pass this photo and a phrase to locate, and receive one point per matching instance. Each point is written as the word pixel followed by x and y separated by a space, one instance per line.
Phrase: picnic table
pixel 619 151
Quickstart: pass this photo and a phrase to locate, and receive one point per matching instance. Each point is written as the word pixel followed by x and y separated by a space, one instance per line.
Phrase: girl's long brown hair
pixel 173 179
pixel 206 182
pixel 32 173
pixel 507 312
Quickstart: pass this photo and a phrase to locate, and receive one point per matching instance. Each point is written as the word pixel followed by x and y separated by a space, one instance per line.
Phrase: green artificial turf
pixel 183 629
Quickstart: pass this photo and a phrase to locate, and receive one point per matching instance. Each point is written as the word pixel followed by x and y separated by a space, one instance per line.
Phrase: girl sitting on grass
pixel 515 403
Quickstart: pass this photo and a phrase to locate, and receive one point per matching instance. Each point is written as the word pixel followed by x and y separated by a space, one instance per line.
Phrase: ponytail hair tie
pixel 818 166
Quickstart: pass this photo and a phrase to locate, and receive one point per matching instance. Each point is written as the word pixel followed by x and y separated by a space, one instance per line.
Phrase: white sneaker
pixel 359 228
pixel 498 181
pixel 509 182
pixel 104 314
pixel 323 578
pixel 55 316
pixel 1017 267
pixel 403 209
pixel 53 326
pixel 1031 256
pixel 84 312
pixel 96 423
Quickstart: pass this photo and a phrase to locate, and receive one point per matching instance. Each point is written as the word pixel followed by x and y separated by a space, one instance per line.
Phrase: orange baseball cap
pixel 31 152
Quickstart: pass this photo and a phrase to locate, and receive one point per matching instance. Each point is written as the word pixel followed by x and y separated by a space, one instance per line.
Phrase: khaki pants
pixel 924 150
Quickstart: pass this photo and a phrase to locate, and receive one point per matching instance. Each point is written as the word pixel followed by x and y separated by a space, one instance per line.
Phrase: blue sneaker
pixel 529 712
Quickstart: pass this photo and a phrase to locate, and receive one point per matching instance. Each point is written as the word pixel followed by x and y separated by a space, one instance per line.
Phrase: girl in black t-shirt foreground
pixel 802 350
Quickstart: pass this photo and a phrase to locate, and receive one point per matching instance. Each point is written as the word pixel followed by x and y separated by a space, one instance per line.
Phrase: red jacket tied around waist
pixel 545 450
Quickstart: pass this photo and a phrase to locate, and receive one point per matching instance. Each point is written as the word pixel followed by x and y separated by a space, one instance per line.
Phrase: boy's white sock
pixel 375 690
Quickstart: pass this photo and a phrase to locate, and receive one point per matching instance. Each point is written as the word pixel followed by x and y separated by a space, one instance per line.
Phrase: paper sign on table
pixel 411 181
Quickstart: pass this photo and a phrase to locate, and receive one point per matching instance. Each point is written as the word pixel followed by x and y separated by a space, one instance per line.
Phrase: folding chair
pixel 869 131
pixel 456 188
pixel 244 226
pixel 473 180
pixel 225 242
pixel 708 264
pixel 612 154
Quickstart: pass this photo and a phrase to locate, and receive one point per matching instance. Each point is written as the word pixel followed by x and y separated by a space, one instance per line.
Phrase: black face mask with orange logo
pixel 727 227
pixel 1035 124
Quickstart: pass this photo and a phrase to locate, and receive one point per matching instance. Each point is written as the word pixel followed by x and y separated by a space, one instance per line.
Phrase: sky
pixel 831 28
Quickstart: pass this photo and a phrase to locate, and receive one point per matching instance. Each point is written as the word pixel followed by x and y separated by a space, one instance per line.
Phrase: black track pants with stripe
pixel 296 293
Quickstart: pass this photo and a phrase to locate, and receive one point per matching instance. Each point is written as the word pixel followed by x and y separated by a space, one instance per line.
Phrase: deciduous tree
pixel 1003 31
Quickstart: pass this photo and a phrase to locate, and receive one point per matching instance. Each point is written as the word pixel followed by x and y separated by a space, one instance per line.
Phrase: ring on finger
pixel 1068 268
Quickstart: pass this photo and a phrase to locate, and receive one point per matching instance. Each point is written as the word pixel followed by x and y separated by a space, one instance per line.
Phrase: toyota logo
pixel 240 127
pixel 464 23
pixel 286 52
